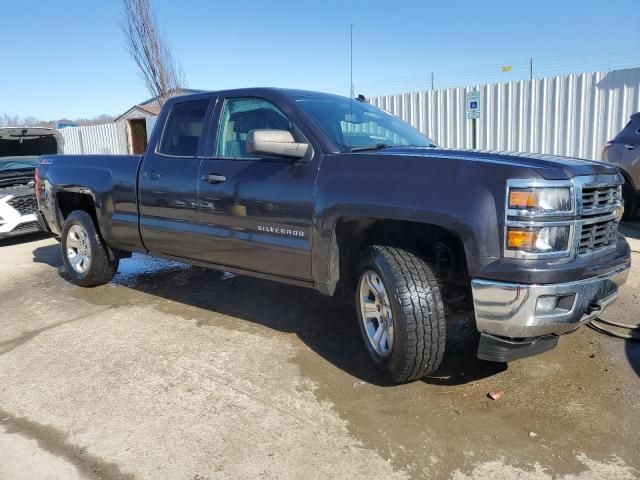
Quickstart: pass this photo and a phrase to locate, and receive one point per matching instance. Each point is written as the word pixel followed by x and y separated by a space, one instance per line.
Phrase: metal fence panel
pixel 110 138
pixel 572 115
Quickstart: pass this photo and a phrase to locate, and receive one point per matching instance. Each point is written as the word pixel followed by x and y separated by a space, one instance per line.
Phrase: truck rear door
pixel 255 212
pixel 167 189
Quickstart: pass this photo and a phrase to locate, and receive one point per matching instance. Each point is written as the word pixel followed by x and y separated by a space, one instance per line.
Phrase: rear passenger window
pixel 183 129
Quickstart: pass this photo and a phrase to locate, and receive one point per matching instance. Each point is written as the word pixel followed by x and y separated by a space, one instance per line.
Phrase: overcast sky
pixel 66 58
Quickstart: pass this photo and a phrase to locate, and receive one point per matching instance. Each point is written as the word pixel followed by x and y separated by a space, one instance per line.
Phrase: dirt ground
pixel 176 372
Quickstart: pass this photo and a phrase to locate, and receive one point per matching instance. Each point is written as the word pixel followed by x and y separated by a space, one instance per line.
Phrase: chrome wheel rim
pixel 78 249
pixel 375 313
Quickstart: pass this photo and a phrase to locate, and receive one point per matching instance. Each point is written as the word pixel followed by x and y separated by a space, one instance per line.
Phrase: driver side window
pixel 239 117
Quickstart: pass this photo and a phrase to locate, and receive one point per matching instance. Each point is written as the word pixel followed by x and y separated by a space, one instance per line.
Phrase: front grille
pixel 26 226
pixel 26 204
pixel 596 198
pixel 597 235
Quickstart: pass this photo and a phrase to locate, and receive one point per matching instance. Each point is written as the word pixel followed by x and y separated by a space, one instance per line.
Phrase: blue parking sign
pixel 473 104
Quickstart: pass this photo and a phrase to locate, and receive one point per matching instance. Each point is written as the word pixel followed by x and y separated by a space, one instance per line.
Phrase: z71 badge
pixel 281 231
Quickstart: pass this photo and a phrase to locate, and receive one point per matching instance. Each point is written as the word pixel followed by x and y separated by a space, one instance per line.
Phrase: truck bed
pixel 113 181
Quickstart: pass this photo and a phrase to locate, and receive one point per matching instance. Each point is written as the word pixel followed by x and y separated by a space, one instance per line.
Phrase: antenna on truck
pixel 351 62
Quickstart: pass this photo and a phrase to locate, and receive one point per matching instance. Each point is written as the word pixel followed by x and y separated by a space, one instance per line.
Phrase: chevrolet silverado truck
pixel 20 148
pixel 330 193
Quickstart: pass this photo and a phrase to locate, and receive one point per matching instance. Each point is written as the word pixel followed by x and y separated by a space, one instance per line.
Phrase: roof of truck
pixel 243 91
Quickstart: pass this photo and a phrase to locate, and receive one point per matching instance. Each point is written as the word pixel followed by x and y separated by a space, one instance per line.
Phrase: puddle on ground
pixel 134 270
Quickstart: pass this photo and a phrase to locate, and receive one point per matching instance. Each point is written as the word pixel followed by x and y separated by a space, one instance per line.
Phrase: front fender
pixel 469 211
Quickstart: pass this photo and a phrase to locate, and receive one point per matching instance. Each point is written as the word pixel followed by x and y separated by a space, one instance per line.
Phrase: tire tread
pixel 417 291
pixel 102 268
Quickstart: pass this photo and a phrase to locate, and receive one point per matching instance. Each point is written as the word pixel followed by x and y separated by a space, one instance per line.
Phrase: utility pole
pixel 530 68
pixel 351 64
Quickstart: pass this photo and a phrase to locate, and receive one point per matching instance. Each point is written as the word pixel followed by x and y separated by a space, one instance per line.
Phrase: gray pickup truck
pixel 330 193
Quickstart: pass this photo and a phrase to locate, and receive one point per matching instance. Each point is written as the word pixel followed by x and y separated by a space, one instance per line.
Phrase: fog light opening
pixel 555 304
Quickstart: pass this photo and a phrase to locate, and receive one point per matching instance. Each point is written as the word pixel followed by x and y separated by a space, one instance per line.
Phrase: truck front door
pixel 167 191
pixel 255 211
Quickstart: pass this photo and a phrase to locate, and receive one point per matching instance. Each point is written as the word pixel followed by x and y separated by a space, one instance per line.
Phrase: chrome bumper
pixel 514 310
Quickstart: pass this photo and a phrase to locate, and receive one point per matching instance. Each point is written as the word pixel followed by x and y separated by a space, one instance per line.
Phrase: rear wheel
pixel 401 315
pixel 84 253
pixel 630 201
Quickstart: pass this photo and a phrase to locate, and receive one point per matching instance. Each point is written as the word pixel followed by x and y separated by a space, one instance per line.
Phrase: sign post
pixel 473 113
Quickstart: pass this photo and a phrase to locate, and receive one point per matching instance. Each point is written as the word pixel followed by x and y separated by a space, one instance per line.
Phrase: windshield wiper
pixel 377 146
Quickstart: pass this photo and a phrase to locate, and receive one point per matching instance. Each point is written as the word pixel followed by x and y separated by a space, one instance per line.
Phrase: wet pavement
pixel 178 372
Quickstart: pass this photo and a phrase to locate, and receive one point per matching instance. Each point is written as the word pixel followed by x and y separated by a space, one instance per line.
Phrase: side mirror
pixel 275 142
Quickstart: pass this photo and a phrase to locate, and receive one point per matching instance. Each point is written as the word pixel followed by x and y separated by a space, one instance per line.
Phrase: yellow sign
pixel 506 68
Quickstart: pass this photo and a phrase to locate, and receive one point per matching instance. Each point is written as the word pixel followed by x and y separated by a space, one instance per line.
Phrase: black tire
pixel 101 268
pixel 419 327
pixel 630 201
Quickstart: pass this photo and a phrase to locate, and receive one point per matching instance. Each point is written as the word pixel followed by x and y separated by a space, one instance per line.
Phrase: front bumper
pixel 513 311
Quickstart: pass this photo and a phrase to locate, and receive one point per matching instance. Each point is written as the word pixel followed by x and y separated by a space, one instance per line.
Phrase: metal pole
pixel 474 143
pixel 351 64
pixel 531 68
pixel 431 80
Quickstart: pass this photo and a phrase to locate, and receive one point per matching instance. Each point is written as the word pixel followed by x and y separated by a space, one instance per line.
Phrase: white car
pixel 20 149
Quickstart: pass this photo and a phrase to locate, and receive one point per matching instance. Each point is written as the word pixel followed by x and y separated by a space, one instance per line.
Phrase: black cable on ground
pixel 606 331
pixel 616 324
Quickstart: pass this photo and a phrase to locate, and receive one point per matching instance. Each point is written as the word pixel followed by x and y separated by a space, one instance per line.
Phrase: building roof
pixel 177 93
pixel 151 106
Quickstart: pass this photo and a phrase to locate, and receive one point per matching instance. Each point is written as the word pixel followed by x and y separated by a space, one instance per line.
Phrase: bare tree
pixel 8 120
pixel 148 47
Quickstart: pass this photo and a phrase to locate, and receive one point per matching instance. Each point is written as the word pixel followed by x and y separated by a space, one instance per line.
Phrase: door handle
pixel 214 178
pixel 630 147
pixel 151 175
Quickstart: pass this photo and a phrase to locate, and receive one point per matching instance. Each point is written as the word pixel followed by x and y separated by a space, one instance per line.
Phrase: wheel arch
pixel 627 178
pixel 439 245
pixel 69 200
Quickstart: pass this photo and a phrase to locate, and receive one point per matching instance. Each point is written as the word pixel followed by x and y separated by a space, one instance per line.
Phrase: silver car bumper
pixel 523 311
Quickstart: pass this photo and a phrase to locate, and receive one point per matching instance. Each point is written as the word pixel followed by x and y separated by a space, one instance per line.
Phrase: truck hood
pixel 550 167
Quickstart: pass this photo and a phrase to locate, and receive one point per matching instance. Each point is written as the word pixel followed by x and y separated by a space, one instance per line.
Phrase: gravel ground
pixel 176 372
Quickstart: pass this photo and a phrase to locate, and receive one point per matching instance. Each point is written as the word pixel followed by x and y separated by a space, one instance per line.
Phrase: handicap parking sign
pixel 473 105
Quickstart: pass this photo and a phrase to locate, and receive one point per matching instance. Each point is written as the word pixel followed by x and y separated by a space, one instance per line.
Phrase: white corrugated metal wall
pixel 110 138
pixel 570 115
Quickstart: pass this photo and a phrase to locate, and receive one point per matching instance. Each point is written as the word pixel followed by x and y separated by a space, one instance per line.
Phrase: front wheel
pixel 401 315
pixel 84 253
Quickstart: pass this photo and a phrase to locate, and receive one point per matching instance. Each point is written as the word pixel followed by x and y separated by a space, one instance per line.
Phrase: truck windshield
pixel 18 163
pixel 358 126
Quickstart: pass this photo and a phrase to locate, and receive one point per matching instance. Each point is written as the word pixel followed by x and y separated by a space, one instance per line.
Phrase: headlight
pixel 540 200
pixel 538 239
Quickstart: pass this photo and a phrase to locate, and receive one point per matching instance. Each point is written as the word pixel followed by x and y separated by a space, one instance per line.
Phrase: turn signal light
pixel 521 239
pixel 538 239
pixel 523 199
